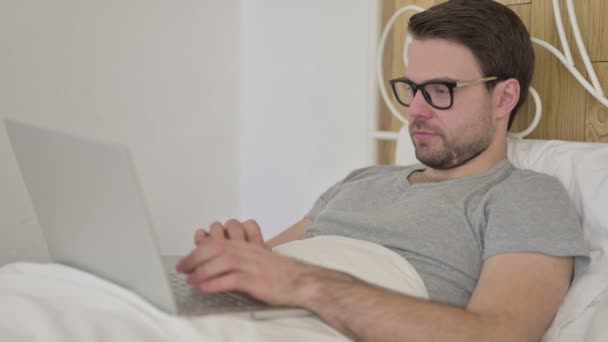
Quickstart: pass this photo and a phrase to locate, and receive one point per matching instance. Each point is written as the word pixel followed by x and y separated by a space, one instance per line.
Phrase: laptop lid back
pixel 90 208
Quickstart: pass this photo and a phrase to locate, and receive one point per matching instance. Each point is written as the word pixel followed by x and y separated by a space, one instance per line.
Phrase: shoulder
pixel 528 183
pixel 526 191
pixel 531 212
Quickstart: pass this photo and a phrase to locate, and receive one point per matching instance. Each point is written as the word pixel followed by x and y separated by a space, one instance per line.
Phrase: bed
pixel 51 302
pixel 582 167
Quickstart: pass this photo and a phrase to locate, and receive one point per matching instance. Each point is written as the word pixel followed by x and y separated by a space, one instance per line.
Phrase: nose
pixel 419 106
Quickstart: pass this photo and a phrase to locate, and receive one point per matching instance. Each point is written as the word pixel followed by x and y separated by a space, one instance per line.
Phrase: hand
pixel 233 229
pixel 218 265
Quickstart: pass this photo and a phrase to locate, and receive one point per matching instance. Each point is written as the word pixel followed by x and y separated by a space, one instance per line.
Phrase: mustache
pixel 419 124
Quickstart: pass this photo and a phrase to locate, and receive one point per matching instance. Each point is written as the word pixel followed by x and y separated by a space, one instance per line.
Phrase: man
pixel 494 245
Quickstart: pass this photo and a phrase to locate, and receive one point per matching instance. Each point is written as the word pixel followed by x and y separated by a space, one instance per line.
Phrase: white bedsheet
pixel 51 302
pixel 590 326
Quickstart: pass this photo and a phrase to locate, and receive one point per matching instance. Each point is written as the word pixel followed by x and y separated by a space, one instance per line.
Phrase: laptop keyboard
pixel 190 300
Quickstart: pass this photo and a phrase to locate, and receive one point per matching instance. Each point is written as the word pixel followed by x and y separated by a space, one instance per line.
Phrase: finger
pixel 235 281
pixel 235 230
pixel 206 250
pixel 215 267
pixel 200 234
pixel 235 256
pixel 216 230
pixel 253 232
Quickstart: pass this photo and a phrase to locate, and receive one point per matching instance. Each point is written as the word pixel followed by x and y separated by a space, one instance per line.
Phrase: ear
pixel 507 94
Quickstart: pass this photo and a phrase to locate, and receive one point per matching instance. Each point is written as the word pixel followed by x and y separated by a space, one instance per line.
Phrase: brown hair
pixel 494 33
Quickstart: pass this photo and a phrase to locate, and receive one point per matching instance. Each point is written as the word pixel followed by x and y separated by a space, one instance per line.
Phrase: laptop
pixel 93 216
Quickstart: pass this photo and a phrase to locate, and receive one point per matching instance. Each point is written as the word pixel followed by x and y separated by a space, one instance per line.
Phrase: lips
pixel 420 130
pixel 423 135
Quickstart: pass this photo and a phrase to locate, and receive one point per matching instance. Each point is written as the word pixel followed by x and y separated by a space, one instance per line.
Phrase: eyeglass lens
pixel 438 93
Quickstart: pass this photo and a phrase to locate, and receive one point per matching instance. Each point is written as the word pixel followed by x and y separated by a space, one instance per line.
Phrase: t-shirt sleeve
pixel 533 214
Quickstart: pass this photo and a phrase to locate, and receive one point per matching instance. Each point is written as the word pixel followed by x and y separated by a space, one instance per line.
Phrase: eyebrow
pixel 439 79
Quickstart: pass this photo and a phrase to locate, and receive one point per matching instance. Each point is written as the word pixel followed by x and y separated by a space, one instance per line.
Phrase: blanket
pixel 52 302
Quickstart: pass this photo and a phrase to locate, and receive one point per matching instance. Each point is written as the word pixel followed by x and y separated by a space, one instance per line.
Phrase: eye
pixel 437 90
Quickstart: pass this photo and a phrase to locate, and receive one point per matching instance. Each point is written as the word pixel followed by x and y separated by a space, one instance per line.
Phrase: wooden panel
pixel 562 97
pixel 593 13
pixel 385 158
pixel 597 115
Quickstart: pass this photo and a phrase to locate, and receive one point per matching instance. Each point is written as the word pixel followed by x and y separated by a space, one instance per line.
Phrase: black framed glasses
pixel 437 93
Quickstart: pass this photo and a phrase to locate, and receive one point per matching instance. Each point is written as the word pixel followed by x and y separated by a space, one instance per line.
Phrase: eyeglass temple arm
pixel 466 83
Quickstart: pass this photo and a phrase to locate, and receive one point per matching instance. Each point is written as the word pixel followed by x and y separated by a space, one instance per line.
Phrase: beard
pixel 454 152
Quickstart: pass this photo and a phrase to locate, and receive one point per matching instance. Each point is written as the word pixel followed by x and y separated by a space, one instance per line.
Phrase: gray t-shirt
pixel 446 229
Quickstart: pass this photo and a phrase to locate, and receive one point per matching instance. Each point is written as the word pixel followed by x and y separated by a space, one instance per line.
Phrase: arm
pixel 515 300
pixel 295 232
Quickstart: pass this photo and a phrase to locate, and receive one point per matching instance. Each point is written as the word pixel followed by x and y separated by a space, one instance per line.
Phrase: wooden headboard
pixel 569 111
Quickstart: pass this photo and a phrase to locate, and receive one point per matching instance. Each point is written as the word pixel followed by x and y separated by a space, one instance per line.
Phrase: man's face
pixel 448 138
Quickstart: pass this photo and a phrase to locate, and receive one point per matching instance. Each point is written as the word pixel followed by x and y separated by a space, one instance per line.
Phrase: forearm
pixel 295 232
pixel 515 299
pixel 368 313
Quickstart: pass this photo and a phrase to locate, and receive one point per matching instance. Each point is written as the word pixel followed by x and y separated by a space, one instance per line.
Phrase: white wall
pixel 305 80
pixel 160 76
pixel 170 79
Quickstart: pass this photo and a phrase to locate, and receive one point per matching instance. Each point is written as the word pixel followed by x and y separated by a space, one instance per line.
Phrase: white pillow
pixel 582 168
